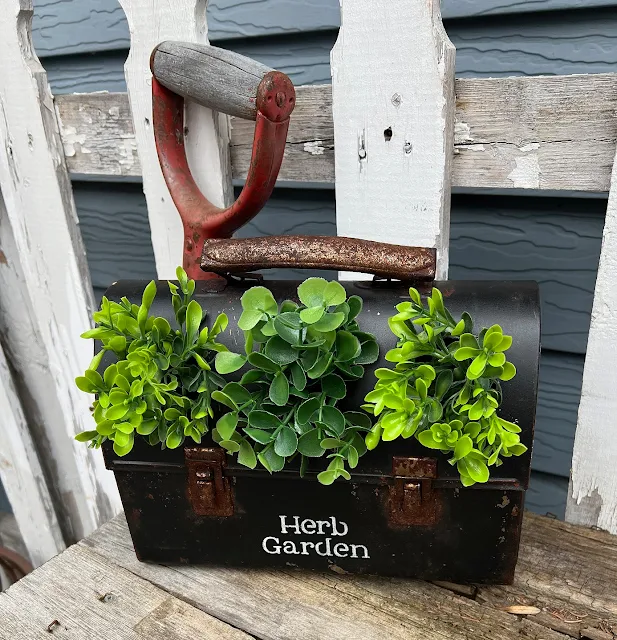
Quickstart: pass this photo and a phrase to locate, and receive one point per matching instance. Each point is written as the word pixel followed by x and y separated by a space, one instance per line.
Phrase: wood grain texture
pixel 93 599
pixel 206 131
pixel 22 476
pixel 393 124
pixel 47 298
pixel 561 569
pixel 217 78
pixel 524 133
pixel 592 499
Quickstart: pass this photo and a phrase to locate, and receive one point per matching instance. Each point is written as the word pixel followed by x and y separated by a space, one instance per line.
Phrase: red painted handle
pixel 201 219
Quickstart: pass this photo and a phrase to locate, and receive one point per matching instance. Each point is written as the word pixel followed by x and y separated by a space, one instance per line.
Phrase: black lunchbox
pixel 403 513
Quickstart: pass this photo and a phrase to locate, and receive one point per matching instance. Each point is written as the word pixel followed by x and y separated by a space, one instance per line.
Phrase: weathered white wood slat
pixel 22 476
pixel 393 111
pixel 554 132
pixel 46 297
pixel 592 497
pixel 207 133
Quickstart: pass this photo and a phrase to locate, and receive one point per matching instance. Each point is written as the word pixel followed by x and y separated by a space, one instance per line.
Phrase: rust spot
pixel 3 259
pixel 515 511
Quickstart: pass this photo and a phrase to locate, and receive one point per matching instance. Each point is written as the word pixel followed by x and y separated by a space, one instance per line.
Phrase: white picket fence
pixel 404 132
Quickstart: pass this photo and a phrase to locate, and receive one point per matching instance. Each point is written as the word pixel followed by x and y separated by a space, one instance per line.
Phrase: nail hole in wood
pixel 387 134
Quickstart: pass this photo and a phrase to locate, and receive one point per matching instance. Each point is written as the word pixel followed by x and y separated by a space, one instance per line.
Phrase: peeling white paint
pixel 531 146
pixel 472 147
pixel 70 138
pixel 526 174
pixel 315 147
pixel 462 133
pixel 114 112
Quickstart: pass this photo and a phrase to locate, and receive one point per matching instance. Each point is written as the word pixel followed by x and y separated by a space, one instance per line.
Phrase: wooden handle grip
pixel 216 78
pixel 318 252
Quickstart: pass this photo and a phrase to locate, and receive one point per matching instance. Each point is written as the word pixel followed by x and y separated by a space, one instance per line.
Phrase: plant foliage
pixel 161 385
pixel 445 388
pixel 301 358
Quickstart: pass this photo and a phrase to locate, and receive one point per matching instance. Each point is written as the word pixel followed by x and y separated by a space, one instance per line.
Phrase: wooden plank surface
pixel 526 133
pixel 98 589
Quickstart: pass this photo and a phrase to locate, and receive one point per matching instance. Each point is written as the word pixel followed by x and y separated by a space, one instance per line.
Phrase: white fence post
pixel 22 476
pixel 45 292
pixel 592 498
pixel 393 108
pixel 207 133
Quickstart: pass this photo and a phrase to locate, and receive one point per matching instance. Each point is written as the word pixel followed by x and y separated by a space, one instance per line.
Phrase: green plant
pixel 161 384
pixel 301 358
pixel 445 388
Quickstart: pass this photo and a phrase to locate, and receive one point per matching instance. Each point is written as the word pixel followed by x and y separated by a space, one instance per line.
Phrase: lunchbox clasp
pixel 209 490
pixel 413 500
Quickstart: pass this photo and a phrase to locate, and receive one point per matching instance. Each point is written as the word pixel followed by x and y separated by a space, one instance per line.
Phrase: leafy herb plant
pixel 161 385
pixel 301 359
pixel 445 388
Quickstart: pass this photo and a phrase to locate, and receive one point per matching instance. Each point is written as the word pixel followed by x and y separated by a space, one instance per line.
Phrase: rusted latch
pixel 209 490
pixel 413 501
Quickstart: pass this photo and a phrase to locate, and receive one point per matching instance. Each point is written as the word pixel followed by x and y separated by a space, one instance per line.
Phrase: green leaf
pixel 261 419
pixel 504 345
pixel 474 467
pixel 231 446
pixel 284 330
pixel 348 346
pixel 355 307
pixel 320 367
pixel 476 411
pixel 466 353
pixel 463 446
pixel 517 449
pixel 427 440
pixel 327 477
pixel 279 389
pixel 246 455
pixel 147 427
pixel 332 417
pixel 116 412
pixel 259 435
pixel 298 376
pixel 224 399
pixel 497 360
pixel 227 362
pixel 352 457
pixel 83 384
pixel 358 419
pixel 334 386
pixel 251 376
pixel 509 371
pixel 421 388
pixel 286 442
pixel 329 322
pixel 220 324
pixel 249 318
pixel 306 410
pixel 280 351
pixel 259 298
pixel 477 367
pixel 194 315
pixel 226 425
pixel 369 353
pixel 148 296
pixel 312 314
pixel 373 437
pixel 271 460
pixel 201 363
pixel 312 292
pixel 124 427
pixel 260 361
pixel 310 444
pixel 86 436
pixel 415 296
pixel 443 384
pixel 334 293
pixel 460 327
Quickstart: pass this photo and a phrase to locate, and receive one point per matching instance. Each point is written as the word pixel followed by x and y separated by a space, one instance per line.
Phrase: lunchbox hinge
pixel 413 499
pixel 209 490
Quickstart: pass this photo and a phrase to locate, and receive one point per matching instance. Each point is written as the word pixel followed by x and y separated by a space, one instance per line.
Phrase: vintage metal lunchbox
pixel 403 513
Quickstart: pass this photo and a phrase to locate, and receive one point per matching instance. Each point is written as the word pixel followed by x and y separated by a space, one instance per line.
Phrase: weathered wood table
pixel 566 585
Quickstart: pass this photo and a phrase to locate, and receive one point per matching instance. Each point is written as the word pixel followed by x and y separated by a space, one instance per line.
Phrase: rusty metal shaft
pixel 317 252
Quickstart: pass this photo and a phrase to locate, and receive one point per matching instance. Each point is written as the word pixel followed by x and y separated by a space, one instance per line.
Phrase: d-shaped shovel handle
pixel 229 83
